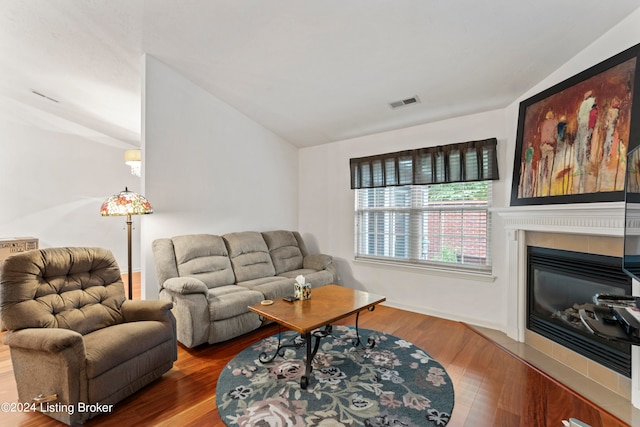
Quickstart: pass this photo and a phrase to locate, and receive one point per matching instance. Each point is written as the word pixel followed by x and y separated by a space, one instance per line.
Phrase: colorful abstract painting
pixel 573 138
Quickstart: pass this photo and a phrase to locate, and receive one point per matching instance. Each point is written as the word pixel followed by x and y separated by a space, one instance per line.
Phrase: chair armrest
pixel 135 311
pixel 317 261
pixel 185 285
pixel 50 340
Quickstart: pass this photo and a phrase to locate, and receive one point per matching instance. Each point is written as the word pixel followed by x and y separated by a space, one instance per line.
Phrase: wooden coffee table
pixel 313 318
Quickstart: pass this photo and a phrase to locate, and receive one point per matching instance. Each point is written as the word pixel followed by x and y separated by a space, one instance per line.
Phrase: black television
pixel 631 252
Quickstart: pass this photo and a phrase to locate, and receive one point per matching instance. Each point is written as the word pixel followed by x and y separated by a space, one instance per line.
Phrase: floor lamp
pixel 126 203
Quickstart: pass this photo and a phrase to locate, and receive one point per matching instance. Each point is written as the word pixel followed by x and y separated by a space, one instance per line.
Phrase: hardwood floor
pixel 492 387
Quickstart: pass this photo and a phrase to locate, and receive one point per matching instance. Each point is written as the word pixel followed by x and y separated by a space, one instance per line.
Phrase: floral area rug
pixel 394 383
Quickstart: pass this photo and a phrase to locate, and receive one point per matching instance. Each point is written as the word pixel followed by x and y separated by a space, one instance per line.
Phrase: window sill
pixel 475 275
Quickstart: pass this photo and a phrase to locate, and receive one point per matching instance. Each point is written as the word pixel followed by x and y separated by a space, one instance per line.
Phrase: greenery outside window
pixel 426 206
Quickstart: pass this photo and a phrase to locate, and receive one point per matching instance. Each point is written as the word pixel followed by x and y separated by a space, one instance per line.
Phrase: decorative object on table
pixel 393 383
pixel 302 289
pixel 573 138
pixel 127 203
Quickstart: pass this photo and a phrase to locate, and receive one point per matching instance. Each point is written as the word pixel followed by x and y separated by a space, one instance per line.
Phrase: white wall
pixel 327 203
pixel 52 184
pixel 208 168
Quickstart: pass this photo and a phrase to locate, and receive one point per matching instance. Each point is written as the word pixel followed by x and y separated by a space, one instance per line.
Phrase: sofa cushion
pixel 230 301
pixel 205 257
pixel 249 255
pixel 284 250
pixel 271 287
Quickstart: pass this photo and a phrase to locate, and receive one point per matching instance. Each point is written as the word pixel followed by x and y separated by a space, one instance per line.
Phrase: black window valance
pixel 466 161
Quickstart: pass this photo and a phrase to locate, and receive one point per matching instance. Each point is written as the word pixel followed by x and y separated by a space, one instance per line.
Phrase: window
pixel 426 206
pixel 440 225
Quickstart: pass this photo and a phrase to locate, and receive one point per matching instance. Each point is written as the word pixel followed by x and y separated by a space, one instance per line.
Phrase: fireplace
pixel 582 227
pixel 559 283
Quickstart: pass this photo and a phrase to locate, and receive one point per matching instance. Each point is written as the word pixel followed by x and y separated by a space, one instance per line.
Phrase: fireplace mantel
pixel 589 219
pixel 602 219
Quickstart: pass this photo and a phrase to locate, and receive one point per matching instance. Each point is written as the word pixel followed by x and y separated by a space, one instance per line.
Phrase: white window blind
pixel 445 225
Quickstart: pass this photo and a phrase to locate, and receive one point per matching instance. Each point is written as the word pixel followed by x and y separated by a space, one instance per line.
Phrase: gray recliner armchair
pixel 73 336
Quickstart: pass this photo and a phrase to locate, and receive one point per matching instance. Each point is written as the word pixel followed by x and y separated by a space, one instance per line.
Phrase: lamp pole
pixel 129 275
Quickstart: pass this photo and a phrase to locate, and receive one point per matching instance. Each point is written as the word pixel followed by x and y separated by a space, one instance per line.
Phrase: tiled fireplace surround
pixel 592 228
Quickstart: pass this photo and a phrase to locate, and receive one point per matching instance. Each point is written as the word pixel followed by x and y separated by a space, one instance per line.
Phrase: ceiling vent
pixel 35 92
pixel 404 102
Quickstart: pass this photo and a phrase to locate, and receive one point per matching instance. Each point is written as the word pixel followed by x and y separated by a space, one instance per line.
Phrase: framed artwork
pixel 573 138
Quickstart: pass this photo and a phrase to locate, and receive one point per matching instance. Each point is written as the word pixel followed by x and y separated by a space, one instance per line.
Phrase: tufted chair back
pixel 72 288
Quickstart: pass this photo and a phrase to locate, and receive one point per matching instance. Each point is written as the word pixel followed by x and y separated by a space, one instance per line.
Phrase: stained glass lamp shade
pixel 126 203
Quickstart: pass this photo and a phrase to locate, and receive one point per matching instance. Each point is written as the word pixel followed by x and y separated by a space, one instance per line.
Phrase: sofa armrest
pixel 49 340
pixel 185 285
pixel 189 297
pixel 317 261
pixel 134 311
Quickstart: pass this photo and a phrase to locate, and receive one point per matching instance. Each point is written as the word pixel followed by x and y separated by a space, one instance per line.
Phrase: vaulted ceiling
pixel 313 72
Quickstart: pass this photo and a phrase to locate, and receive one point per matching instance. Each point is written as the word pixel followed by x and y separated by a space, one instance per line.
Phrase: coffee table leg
pixel 370 342
pixel 265 358
pixel 311 354
pixel 304 381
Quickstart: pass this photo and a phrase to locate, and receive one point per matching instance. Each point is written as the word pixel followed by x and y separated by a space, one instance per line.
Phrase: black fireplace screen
pixel 561 282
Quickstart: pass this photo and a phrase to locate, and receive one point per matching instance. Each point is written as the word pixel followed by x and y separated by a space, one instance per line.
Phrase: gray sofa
pixel 211 280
